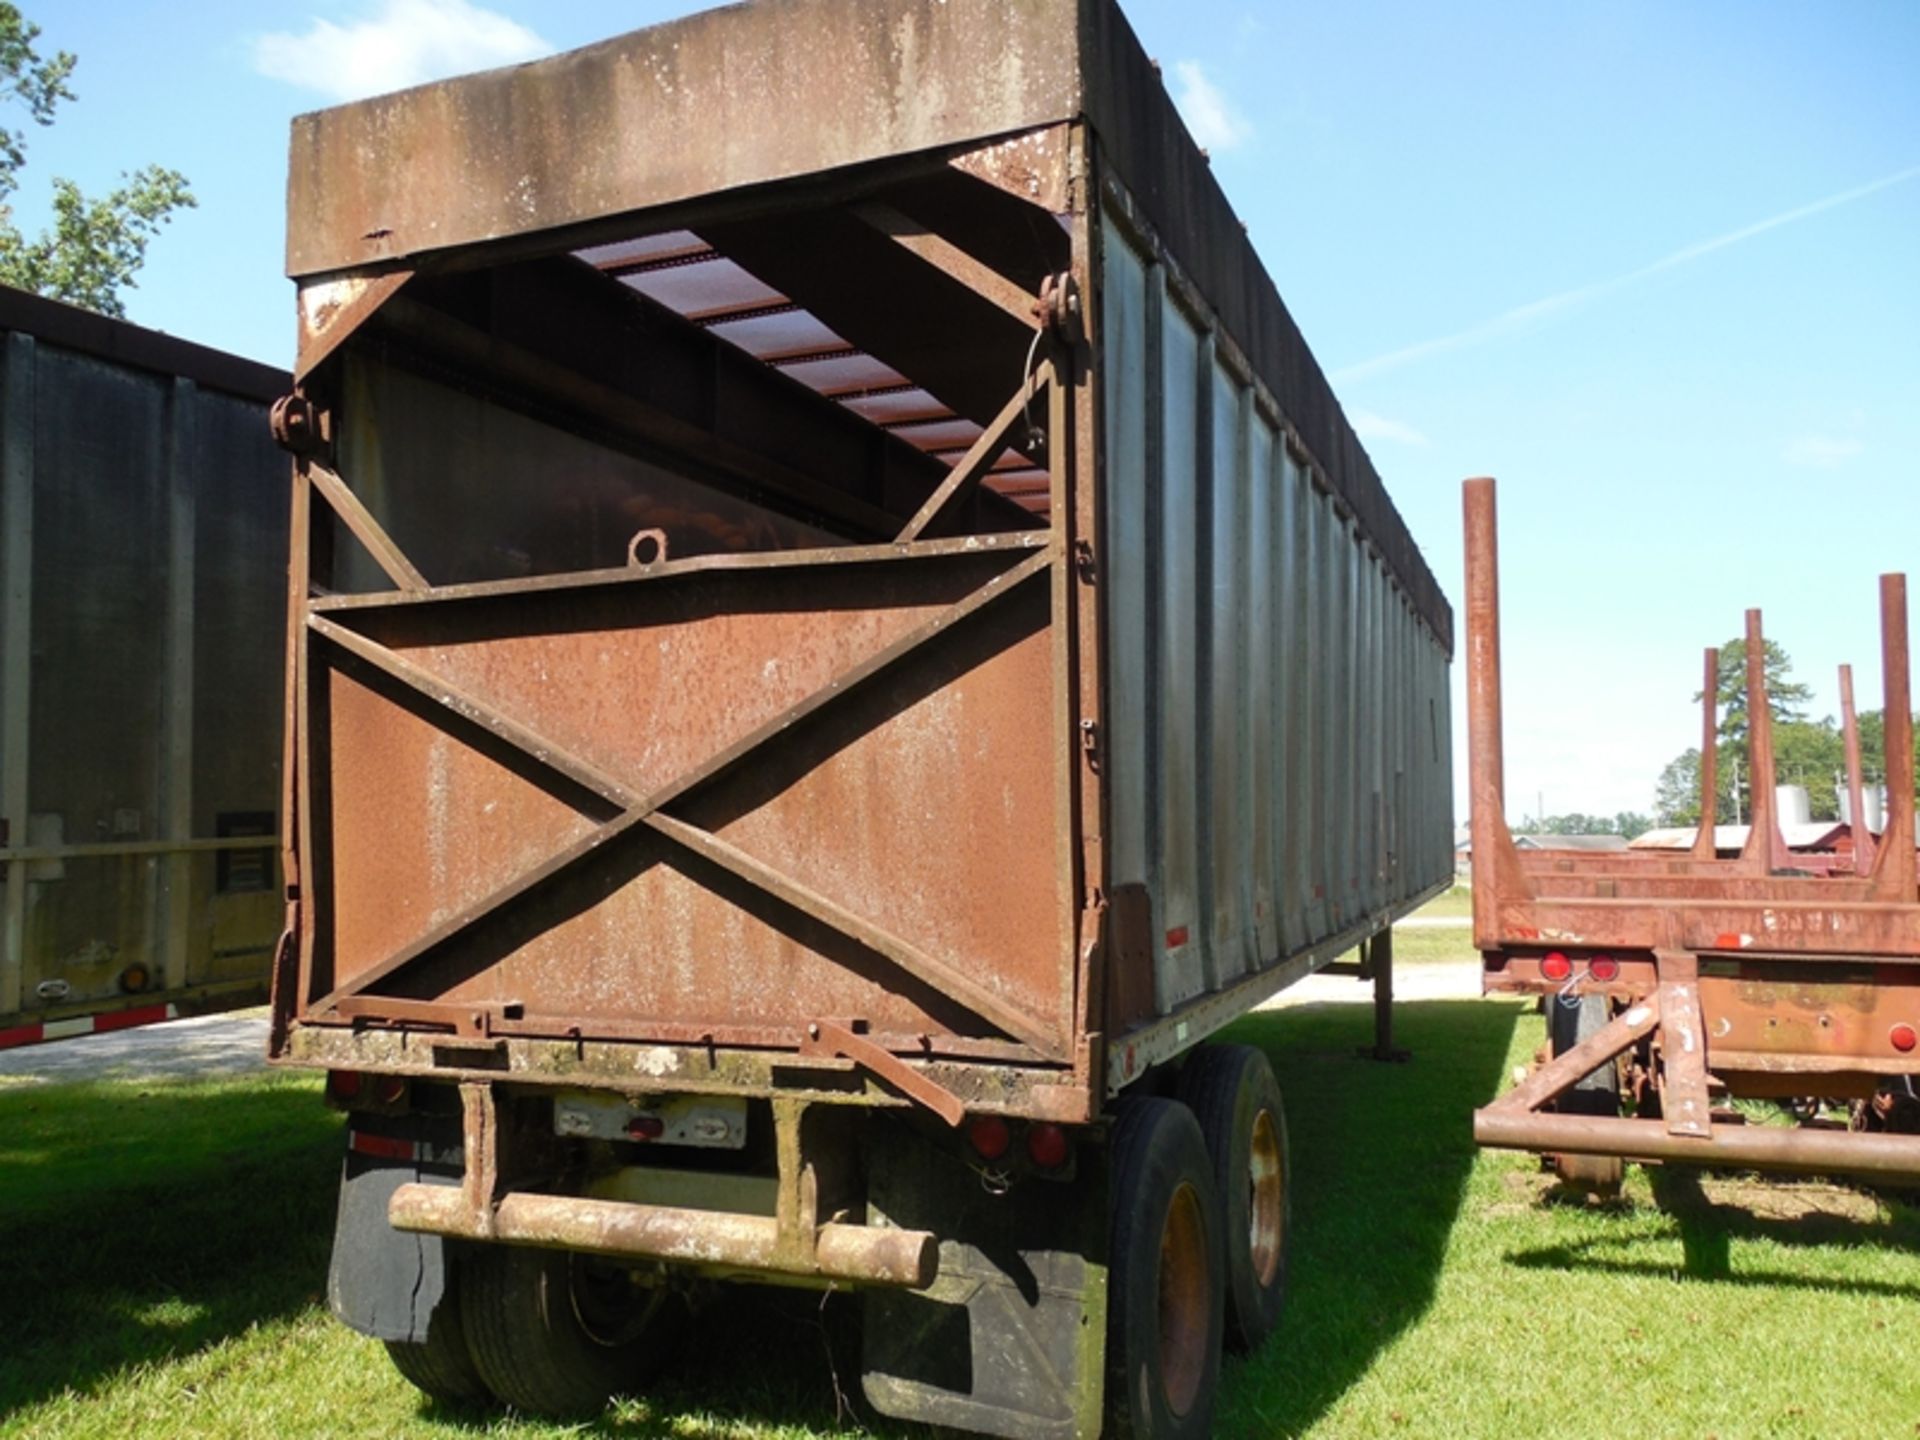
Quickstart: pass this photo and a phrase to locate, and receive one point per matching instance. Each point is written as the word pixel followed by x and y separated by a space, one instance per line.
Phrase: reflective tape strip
pixel 86 1025
pixel 380 1147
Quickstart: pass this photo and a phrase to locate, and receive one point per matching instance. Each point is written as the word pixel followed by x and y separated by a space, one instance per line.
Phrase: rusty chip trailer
pixel 838 633
pixel 143 527
pixel 1766 975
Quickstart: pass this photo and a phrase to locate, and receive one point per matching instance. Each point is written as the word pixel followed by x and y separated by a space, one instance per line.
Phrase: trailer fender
pixel 385 1282
pixel 1010 1338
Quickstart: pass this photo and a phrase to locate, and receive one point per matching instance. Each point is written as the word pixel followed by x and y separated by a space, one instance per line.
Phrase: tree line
pixel 1807 752
pixel 1628 823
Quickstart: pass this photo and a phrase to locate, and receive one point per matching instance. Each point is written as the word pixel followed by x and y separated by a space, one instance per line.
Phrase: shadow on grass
pixel 1381 1154
pixel 140 1221
pixel 143 1222
pixel 1708 1227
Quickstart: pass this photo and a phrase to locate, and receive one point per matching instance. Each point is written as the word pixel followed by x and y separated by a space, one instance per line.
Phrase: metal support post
pixel 1380 961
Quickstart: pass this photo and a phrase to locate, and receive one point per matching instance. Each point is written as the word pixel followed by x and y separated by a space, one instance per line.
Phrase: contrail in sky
pixel 1522 316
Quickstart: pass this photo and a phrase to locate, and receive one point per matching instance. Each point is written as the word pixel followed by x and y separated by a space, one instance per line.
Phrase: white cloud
pixel 1215 124
pixel 1821 452
pixel 1369 426
pixel 401 43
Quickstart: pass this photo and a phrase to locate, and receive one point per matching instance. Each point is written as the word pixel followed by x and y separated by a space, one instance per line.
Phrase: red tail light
pixel 1047 1146
pixel 342 1085
pixel 646 1127
pixel 390 1089
pixel 1556 966
pixel 989 1137
pixel 1604 968
pixel 1903 1037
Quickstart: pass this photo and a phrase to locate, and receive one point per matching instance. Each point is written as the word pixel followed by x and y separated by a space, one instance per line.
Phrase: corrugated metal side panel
pixel 1183 941
pixel 1438 811
pixel 1295 701
pixel 238 490
pixel 1263 712
pixel 1129 653
pixel 1229 830
pixel 144 640
pixel 95 771
pixel 1277 705
pixel 1337 838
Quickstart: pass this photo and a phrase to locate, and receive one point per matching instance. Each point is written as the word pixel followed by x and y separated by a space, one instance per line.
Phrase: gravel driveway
pixel 190 1049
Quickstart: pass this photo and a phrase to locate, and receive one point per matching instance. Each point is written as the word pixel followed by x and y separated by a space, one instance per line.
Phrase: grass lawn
pixel 1431 945
pixel 166 1250
pixel 1453 904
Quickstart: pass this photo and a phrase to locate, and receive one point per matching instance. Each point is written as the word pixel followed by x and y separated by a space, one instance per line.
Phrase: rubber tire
pixel 440 1367
pixel 1156 1149
pixel 1227 1087
pixel 1596 1093
pixel 528 1343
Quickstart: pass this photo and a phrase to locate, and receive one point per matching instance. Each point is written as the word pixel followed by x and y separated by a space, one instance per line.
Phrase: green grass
pixel 1454 903
pixel 1432 946
pixel 1429 945
pixel 166 1250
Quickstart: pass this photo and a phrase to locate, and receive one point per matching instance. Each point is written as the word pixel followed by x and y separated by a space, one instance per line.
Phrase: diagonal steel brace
pixel 646 809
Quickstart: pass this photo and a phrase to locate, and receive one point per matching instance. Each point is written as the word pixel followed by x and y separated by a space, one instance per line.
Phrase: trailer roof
pixel 106 338
pixel 753 95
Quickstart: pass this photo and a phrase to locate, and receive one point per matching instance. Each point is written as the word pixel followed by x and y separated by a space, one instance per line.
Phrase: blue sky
pixel 1654 265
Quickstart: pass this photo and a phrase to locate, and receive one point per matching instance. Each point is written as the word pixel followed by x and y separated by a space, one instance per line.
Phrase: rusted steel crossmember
pixel 791 1243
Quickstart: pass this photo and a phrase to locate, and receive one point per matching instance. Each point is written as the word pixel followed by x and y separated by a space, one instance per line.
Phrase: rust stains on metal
pixel 1761 1147
pixel 1863 845
pixel 745 1247
pixel 333 307
pixel 1033 167
pixel 825 1037
pixel 715 102
pixel 1703 843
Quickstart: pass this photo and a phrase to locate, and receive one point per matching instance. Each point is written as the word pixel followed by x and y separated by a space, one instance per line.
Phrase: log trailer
pixel 837 633
pixel 1675 983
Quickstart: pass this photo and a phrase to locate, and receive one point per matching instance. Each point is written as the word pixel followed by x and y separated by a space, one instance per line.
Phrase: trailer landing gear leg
pixel 1380 961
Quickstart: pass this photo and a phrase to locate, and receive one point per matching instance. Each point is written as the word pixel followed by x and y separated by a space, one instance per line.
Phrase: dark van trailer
pixel 143 526
pixel 841 635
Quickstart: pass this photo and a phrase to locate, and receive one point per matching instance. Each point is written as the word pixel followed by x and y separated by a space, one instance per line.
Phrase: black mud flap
pixel 384 1282
pixel 1011 1338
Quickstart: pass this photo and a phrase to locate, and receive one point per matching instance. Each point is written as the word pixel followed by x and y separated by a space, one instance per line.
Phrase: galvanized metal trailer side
pixel 1701 978
pixel 830 600
pixel 140 621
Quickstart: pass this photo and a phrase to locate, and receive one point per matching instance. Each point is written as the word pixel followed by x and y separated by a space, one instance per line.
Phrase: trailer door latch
pixel 832 1038
pixel 1090 743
